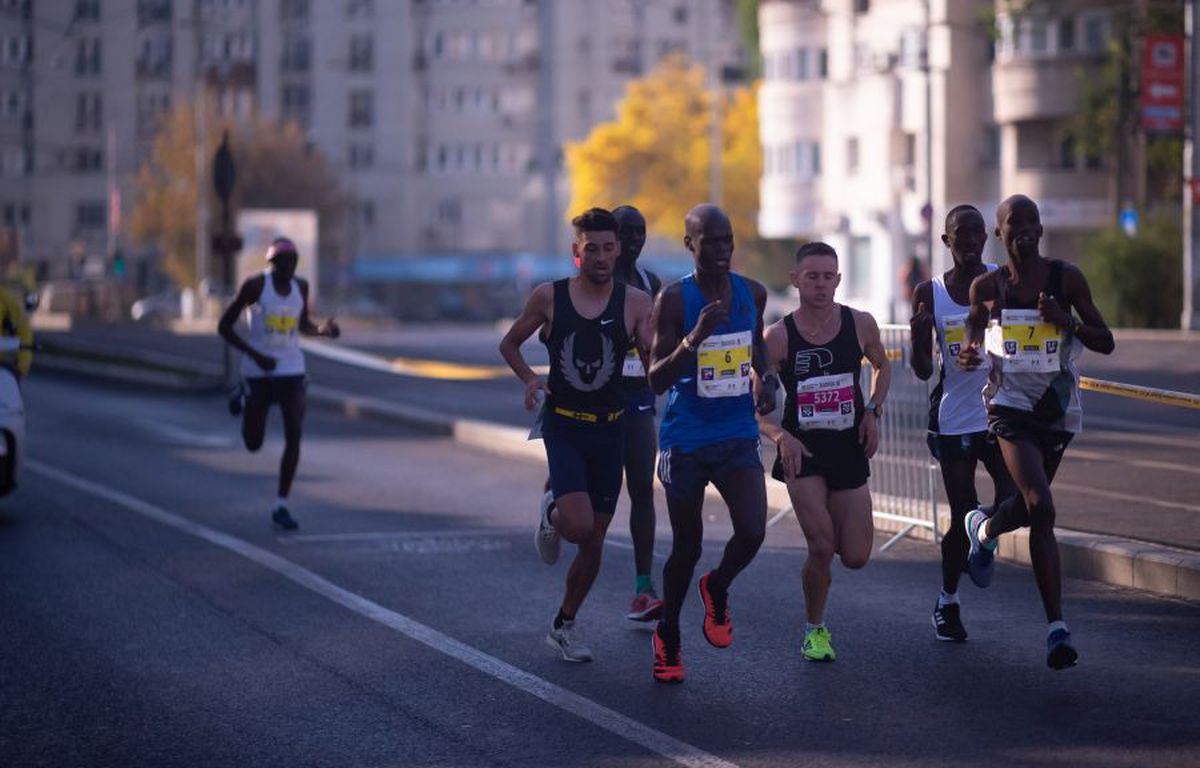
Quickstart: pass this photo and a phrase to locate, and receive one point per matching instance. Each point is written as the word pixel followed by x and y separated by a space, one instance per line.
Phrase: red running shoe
pixel 718 624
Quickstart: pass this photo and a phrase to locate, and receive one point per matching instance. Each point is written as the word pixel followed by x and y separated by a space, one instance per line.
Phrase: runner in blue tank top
pixel 708 339
pixel 1025 310
pixel 958 436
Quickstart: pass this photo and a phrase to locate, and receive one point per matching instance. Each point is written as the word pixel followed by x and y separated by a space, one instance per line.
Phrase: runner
pixel 958 436
pixel 1024 311
pixel 592 320
pixel 708 336
pixel 276 305
pixel 828 434
pixel 641 438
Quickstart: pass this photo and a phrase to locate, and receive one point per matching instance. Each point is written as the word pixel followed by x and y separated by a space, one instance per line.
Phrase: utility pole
pixel 1191 171
pixel 547 146
pixel 927 66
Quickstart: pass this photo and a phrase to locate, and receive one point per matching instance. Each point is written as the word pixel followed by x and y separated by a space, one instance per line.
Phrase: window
pixel 293 10
pixel 154 57
pixel 87 10
pixel 364 214
pixel 858 266
pixel 815 148
pixel 359 8
pixel 153 12
pixel 852 155
pixel 296 54
pixel 1066 153
pixel 449 212
pixel 802 64
pixel 822 63
pixel 908 157
pixel 86 160
pixel 14 162
pixel 90 216
pixel 89 117
pixel 361 53
pixel 361 156
pixel 991 147
pixel 362 109
pixel 1066 35
pixel 1039 37
pixel 1095 33
pixel 296 104
pixel 680 15
pixel 862 6
pixel 87 57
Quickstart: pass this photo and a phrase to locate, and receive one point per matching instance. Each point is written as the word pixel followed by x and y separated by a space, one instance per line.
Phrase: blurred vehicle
pixel 12 419
pixel 158 308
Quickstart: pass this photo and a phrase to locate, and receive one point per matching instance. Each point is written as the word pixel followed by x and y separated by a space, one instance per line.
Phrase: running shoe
pixel 817 645
pixel 1060 654
pixel 566 641
pixel 668 661
pixel 646 606
pixel 718 624
pixel 981 559
pixel 545 538
pixel 237 399
pixel 283 518
pixel 947 623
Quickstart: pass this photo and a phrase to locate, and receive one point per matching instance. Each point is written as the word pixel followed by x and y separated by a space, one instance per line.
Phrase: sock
pixel 985 540
pixel 281 501
pixel 645 583
pixel 561 619
pixel 669 633
pixel 810 627
pixel 947 599
pixel 1057 625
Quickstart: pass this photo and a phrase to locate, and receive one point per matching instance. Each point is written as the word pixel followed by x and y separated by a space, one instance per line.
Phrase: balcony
pixel 1039 89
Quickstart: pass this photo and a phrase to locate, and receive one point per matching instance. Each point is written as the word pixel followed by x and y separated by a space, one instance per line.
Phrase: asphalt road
pixel 1130 473
pixel 150 616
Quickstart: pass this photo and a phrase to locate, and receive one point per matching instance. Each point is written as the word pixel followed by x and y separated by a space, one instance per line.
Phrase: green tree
pixel 1137 281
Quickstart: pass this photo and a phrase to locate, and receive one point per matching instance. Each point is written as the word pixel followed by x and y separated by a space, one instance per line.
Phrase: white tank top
pixel 961 410
pixel 275 331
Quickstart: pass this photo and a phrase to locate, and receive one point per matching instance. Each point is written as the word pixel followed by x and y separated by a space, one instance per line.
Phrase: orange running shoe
pixel 668 662
pixel 718 624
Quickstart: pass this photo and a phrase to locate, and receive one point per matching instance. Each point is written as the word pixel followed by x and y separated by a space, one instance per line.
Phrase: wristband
pixel 687 344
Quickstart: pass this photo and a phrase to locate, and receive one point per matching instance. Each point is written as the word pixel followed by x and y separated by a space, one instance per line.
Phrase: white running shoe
pixel 566 642
pixel 546 538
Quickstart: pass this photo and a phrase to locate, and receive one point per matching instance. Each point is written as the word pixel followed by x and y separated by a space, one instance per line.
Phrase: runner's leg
pixel 292 405
pixel 809 500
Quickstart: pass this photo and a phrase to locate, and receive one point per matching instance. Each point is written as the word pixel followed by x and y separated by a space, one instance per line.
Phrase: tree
pixel 656 154
pixel 276 168
pixel 1123 271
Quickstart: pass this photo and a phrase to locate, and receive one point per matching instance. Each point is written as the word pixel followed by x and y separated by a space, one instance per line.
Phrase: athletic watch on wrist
pixel 687 343
pixel 874 408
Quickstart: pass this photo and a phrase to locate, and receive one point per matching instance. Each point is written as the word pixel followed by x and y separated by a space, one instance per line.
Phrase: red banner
pixel 1162 84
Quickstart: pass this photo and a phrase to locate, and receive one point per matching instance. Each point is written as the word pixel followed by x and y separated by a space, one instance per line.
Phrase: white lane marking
pixel 302 538
pixel 1077 453
pixel 610 720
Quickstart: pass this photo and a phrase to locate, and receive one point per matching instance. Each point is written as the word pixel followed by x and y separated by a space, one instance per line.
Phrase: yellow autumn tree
pixel 276 168
pixel 656 154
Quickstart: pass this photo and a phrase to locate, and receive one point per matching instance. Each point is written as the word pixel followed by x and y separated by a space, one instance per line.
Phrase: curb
pixel 1155 568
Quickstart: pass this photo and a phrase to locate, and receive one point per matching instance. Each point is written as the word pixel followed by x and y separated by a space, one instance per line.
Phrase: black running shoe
pixel 947 623
pixel 283 518
pixel 1060 653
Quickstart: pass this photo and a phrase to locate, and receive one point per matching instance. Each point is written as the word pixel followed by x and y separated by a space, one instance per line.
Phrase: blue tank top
pixel 692 420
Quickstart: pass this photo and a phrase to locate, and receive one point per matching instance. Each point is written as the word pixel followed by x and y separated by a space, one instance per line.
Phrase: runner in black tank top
pixel 591 320
pixel 829 432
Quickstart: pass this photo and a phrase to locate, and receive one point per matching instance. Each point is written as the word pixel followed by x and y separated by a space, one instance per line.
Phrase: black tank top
pixel 1054 287
pixel 586 354
pixel 841 356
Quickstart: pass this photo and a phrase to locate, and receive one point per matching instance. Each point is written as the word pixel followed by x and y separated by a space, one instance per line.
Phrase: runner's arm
pixel 669 359
pixel 760 360
pixel 642 305
pixel 921 327
pixel 775 346
pixel 534 316
pixel 982 294
pixel 328 328
pixel 1091 328
pixel 872 345
pixel 247 295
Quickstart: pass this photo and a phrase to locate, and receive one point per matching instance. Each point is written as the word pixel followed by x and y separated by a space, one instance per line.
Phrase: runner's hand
pixel 764 396
pixel 712 316
pixel 330 329
pixel 968 356
pixel 791 455
pixel 535 385
pixel 921 323
pixel 266 362
pixel 1052 311
pixel 868 434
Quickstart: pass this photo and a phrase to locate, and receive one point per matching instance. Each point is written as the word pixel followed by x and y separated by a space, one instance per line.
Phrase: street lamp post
pixel 227 242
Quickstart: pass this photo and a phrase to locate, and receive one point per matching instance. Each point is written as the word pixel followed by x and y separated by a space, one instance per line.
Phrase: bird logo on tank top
pixel 582 371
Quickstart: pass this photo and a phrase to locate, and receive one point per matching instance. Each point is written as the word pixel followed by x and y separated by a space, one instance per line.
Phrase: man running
pixel 592 320
pixel 276 305
pixel 708 337
pixel 958 436
pixel 1024 311
pixel 828 433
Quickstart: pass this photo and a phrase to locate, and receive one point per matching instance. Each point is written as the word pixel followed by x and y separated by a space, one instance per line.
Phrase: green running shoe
pixel 816 645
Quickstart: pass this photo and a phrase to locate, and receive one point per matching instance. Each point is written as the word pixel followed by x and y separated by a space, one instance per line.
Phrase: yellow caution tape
pixel 439 369
pixel 1149 394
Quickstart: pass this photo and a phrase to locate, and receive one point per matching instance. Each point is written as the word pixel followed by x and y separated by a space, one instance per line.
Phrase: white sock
pixel 1057 625
pixel 810 627
pixel 947 599
pixel 281 501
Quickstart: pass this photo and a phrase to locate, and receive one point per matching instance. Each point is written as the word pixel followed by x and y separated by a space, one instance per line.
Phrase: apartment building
pixel 872 129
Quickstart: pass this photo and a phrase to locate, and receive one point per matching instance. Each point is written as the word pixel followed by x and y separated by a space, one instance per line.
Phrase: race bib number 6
pixel 1025 342
pixel 723 365
pixel 826 402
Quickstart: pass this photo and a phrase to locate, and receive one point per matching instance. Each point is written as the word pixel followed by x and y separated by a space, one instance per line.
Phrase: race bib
pixel 954 332
pixel 826 402
pixel 723 365
pixel 1025 342
pixel 280 330
pixel 633 365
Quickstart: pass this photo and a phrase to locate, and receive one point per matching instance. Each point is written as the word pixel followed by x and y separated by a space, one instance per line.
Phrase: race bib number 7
pixel 1025 342
pixel 826 402
pixel 723 365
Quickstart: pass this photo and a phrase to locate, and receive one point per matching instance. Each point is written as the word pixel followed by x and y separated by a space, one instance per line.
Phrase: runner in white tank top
pixel 276 307
pixel 958 436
